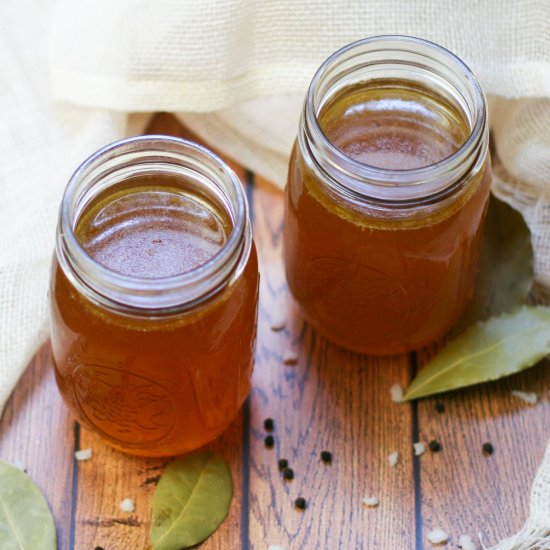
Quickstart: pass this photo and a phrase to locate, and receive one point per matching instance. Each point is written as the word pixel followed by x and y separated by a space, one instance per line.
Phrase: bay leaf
pixel 486 351
pixel 506 272
pixel 190 501
pixel 26 522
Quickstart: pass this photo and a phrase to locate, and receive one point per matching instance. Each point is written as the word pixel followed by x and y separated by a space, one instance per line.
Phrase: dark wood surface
pixel 321 398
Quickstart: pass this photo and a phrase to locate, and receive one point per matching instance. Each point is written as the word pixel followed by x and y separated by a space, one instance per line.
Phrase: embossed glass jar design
pixel 386 195
pixel 154 290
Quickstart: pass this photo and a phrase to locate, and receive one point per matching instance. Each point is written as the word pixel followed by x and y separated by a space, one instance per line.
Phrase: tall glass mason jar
pixel 387 191
pixel 154 292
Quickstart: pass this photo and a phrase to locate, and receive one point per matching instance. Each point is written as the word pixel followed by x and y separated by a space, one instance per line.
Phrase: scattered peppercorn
pixel 300 503
pixel 153 479
pixel 434 446
pixel 269 441
pixel 488 449
pixel 283 463
pixel 439 407
pixel 326 457
pixel 98 548
pixel 277 327
pixel 288 473
pixel 269 425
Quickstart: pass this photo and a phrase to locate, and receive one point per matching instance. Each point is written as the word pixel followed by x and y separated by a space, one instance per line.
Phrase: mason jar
pixel 387 191
pixel 154 293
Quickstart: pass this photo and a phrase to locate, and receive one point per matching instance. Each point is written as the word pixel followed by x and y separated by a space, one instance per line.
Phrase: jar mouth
pixel 152 154
pixel 411 58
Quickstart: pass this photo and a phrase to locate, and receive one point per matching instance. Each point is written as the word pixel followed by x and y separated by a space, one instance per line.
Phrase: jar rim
pixel 371 181
pixel 128 293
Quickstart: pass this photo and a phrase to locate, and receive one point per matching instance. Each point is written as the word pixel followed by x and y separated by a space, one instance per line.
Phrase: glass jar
pixel 154 292
pixel 387 191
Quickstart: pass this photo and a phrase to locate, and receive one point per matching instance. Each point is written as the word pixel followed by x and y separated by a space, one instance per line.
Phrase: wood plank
pixel 103 482
pixel 111 476
pixel 462 490
pixel 36 431
pixel 330 400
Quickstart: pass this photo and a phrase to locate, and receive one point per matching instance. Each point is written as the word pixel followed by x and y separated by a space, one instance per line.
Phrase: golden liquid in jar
pixel 376 280
pixel 154 385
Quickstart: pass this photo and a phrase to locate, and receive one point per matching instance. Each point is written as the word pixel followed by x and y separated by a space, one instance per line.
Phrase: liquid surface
pixel 375 280
pixel 390 126
pixel 155 386
pixel 151 232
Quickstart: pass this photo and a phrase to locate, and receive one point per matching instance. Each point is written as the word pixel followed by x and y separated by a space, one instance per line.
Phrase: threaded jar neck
pixel 398 58
pixel 150 156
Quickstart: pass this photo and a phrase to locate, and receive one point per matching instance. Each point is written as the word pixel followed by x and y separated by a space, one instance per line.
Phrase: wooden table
pixel 323 398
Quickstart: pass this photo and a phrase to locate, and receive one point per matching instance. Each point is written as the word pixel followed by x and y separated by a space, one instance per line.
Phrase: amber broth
pixel 370 279
pixel 154 386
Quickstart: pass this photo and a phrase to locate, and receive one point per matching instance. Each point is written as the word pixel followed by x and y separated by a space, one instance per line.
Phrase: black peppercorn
pixel 288 474
pixel 488 449
pixel 434 446
pixel 283 463
pixel 300 503
pixel 269 441
pixel 326 457
pixel 439 407
pixel 98 548
pixel 269 425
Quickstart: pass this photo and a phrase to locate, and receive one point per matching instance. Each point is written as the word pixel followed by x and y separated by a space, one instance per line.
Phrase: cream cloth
pixel 236 71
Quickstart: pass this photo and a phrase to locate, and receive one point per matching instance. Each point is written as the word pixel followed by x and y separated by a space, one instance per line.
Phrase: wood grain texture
pixel 324 398
pixel 110 477
pixel 464 491
pixel 36 431
pixel 331 399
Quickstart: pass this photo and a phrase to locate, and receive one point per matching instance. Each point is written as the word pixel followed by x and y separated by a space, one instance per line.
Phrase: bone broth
pixel 387 190
pixel 152 371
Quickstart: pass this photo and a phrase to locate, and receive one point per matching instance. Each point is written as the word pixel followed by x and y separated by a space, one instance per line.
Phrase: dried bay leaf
pixel 26 522
pixel 487 351
pixel 506 273
pixel 191 500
